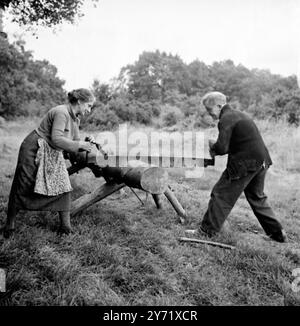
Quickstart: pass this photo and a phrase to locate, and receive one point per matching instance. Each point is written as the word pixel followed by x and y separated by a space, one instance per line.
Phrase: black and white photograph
pixel 149 155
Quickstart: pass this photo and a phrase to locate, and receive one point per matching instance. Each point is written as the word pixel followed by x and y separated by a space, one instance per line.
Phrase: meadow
pixel 125 253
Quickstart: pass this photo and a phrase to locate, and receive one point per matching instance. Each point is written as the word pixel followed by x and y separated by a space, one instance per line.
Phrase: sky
pixel 260 34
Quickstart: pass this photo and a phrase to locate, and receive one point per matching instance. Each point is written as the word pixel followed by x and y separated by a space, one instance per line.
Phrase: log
pixel 138 175
pixel 150 179
pixel 211 243
pixel 87 200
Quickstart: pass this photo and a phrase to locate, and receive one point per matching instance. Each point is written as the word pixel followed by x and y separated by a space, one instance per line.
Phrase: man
pixel 247 165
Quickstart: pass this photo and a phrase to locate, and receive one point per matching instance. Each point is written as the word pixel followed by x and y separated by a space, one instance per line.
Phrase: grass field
pixel 123 253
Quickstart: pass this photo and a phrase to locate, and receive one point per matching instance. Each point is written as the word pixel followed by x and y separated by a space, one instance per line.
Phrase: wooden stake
pixel 158 200
pixel 176 205
pixel 211 243
pixel 137 196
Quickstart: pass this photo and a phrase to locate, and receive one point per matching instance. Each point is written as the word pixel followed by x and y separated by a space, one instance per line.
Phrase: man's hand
pixel 211 142
pixel 211 151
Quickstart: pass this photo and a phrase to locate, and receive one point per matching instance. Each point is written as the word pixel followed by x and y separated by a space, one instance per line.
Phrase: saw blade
pixel 154 160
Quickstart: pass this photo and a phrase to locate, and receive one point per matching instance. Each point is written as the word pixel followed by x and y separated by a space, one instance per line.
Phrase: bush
pixel 170 119
pixel 171 115
pixel 102 118
pixel 174 98
pixel 293 119
pixel 34 108
pixel 145 111
pixel 2 121
pixel 122 108
pixel 143 116
pixel 192 105
pixel 118 110
pixel 292 109
pixel 203 121
pixel 155 108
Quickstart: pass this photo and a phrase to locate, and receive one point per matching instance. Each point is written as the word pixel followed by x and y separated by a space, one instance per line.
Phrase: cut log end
pixel 154 180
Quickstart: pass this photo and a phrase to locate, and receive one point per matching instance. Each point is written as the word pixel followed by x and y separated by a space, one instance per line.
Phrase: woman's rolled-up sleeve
pixel 58 137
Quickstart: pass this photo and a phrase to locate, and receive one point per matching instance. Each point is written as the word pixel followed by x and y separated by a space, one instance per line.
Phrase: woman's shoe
pixel 65 230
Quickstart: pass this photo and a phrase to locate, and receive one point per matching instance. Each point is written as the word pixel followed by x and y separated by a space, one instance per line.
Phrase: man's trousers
pixel 225 194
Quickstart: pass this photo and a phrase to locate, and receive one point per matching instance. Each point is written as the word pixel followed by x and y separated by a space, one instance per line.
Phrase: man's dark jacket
pixel 240 138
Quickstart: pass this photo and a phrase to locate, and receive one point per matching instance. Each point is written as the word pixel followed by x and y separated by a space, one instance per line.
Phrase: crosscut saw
pixel 164 161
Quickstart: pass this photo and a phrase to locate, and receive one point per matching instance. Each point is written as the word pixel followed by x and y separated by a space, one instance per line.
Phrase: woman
pixel 41 181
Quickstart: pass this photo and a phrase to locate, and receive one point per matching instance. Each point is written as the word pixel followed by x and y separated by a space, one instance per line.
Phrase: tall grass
pixel 283 141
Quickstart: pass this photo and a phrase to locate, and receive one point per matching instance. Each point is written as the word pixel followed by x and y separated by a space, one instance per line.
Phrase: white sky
pixel 256 33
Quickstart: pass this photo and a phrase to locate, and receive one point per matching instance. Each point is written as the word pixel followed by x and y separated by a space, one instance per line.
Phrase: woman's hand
pixel 211 143
pixel 90 139
pixel 85 145
pixel 212 153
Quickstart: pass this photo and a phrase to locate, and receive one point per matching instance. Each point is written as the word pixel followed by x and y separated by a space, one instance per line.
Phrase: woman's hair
pixel 81 94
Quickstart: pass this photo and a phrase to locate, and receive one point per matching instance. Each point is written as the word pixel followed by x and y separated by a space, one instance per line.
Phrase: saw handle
pixel 100 149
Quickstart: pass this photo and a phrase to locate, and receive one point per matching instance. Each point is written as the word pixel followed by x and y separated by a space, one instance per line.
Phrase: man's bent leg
pixel 257 199
pixel 223 197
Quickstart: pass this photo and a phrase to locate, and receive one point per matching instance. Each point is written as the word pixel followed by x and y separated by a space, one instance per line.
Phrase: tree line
pixel 161 85
pixel 27 86
pixel 158 89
